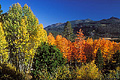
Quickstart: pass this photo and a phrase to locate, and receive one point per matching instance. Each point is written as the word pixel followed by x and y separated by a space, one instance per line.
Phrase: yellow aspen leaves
pixel 24 34
pixel 3 46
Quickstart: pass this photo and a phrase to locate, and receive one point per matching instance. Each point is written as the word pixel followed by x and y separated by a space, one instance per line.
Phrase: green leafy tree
pixel 47 57
pixel 99 59
pixel 23 34
pixel 11 23
pixel 68 31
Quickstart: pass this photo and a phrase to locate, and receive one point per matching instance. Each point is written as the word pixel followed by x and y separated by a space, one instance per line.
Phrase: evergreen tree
pixel 68 31
pixel 0 13
pixel 47 57
pixel 99 59
pixel 0 10
pixel 116 58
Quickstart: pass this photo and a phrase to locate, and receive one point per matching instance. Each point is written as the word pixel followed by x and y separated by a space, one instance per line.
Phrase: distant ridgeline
pixel 95 29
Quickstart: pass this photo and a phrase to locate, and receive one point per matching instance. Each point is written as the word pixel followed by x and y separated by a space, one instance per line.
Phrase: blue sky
pixel 55 11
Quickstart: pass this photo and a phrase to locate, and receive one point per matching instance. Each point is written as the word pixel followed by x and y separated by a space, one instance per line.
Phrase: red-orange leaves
pixel 78 50
pixel 88 49
pixel 63 44
pixel 84 50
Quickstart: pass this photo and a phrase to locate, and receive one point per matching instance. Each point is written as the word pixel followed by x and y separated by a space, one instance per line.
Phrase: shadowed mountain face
pixel 103 28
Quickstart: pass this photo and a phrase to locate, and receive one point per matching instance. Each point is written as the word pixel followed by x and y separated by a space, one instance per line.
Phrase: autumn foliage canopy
pixel 83 50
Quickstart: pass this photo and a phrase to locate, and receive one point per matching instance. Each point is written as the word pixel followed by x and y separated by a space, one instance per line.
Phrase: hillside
pixel 103 28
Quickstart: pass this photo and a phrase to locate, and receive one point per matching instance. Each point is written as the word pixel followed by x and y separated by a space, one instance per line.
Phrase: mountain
pixel 57 28
pixel 103 28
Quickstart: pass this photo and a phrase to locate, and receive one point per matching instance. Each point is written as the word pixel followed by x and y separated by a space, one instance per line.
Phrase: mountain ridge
pixel 103 28
pixel 76 21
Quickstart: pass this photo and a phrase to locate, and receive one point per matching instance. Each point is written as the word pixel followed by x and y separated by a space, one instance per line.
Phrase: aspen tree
pixel 24 34
pixel 3 46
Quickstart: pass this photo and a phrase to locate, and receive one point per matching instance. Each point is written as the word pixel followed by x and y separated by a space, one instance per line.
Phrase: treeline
pixel 26 52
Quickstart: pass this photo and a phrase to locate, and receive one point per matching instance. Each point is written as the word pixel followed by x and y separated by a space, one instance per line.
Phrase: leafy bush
pixel 42 74
pixel 8 72
pixel 63 73
pixel 114 74
pixel 60 73
pixel 88 72
pixel 47 57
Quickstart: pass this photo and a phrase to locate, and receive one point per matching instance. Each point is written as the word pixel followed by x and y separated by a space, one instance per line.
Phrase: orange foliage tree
pixel 88 49
pixel 51 39
pixel 106 47
pixel 78 48
pixel 63 44
pixel 116 46
pixel 84 50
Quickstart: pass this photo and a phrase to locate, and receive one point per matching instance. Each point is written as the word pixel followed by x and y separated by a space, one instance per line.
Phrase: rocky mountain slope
pixel 103 28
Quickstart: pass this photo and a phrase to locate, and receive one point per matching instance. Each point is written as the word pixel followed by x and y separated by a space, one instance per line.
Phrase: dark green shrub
pixel 8 72
pixel 47 57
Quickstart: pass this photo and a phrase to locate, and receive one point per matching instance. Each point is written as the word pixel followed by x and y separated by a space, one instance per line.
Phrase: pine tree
pixel 0 10
pixel 116 58
pixel 0 13
pixel 47 57
pixel 99 59
pixel 68 31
